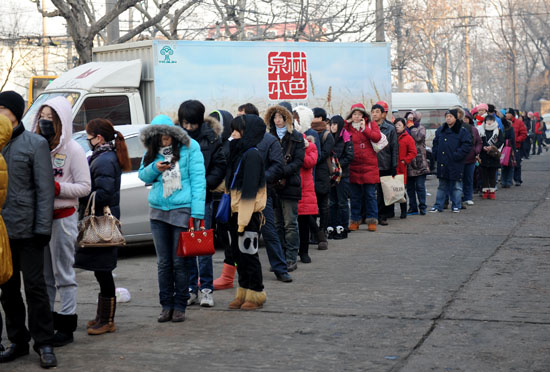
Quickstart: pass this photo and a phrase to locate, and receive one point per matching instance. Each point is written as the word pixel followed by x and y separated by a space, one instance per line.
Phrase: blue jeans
pixel 448 187
pixel 416 187
pixel 468 181
pixel 368 191
pixel 506 178
pixel 339 204
pixel 517 169
pixel 286 219
pixel 173 276
pixel 273 245
pixel 202 266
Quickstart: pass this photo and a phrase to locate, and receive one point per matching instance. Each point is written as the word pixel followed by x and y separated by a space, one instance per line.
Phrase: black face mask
pixel 46 129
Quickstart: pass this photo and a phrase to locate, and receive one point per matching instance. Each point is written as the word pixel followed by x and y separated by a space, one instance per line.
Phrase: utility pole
pixel 447 69
pixel 400 54
pixel 380 21
pixel 44 43
pixel 113 30
pixel 467 52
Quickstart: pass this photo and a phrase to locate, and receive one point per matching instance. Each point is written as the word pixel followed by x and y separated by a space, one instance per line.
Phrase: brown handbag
pixel 102 231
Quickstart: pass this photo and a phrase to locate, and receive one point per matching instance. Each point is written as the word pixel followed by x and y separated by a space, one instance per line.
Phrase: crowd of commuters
pixel 296 177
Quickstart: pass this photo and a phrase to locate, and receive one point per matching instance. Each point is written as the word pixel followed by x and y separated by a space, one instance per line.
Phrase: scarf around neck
pixel 486 126
pixel 100 149
pixel 171 178
pixel 281 131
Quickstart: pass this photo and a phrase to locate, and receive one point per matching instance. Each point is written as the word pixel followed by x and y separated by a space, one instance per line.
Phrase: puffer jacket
pixel 208 137
pixel 70 166
pixel 486 160
pixel 293 140
pixel 308 204
pixel 419 165
pixel 476 144
pixel 364 167
pixel 343 149
pixel 520 132
pixel 191 163
pixel 450 147
pixel 28 209
pixel 407 152
pixel 388 156
pixel 5 135
pixel 322 174
pixel 270 149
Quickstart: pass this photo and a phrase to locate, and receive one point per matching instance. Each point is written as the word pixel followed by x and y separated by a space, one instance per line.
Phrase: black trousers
pixel 489 177
pixel 28 259
pixel 384 211
pixel 322 204
pixel 304 222
pixel 248 265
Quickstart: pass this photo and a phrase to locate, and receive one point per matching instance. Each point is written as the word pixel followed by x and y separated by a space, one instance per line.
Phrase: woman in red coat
pixel 307 206
pixel 363 169
pixel 407 152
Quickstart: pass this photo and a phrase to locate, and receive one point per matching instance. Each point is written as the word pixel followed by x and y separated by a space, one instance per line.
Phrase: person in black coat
pixel 492 139
pixel 289 191
pixel 339 191
pixel 507 175
pixel 451 144
pixel 206 131
pixel 109 159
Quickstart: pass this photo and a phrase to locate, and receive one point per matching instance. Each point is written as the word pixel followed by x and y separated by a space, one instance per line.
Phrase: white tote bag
pixel 379 146
pixel 393 189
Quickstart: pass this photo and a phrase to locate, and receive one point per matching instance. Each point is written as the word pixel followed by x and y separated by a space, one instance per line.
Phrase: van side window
pixel 114 108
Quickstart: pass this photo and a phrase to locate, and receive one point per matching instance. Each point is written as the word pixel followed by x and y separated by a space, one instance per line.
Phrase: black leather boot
pixel 13 352
pixel 47 356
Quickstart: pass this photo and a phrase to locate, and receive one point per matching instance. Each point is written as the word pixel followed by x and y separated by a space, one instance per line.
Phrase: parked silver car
pixel 134 207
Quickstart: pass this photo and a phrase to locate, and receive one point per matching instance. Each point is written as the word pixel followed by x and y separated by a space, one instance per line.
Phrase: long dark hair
pixel 57 127
pixel 154 146
pixel 106 129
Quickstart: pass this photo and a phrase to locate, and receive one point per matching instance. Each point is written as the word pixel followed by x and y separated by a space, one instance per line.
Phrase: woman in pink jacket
pixel 72 181
pixel 307 206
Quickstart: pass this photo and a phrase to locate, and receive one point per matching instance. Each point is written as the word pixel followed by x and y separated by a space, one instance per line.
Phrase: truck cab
pixel 108 90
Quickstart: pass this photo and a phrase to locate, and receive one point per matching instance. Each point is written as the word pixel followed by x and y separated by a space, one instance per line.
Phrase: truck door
pixel 115 108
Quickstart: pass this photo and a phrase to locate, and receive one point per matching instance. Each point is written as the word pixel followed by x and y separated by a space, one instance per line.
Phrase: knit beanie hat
pixel 13 102
pixel 483 106
pixel 453 112
pixel 511 111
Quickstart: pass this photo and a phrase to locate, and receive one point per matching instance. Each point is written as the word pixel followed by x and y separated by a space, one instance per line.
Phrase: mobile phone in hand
pixel 164 162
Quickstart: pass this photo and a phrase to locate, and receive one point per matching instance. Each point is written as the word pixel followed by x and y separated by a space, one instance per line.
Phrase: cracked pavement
pixel 441 292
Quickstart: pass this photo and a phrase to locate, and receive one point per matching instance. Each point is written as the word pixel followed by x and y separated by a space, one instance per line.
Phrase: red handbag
pixel 194 243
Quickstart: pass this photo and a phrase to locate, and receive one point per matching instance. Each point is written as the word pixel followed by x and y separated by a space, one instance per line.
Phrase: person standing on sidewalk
pixel 418 168
pixel 206 131
pixel 451 144
pixel 470 161
pixel 72 181
pixel 279 122
pixel 492 139
pixel 174 164
pixel 108 160
pixel 387 159
pixel 339 191
pixel 407 152
pixel 520 134
pixel 507 176
pixel 27 213
pixel 248 199
pixel 364 173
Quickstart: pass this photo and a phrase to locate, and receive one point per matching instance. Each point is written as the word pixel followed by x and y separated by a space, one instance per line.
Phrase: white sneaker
pixel 206 298
pixel 193 298
pixel 456 210
pixel 469 202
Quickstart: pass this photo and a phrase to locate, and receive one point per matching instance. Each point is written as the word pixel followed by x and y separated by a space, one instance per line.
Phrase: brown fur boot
pixel 92 323
pixel 106 317
pixel 254 300
pixel 239 299
pixel 372 224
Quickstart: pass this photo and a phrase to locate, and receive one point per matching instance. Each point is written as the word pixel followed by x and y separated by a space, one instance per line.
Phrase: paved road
pixel 442 292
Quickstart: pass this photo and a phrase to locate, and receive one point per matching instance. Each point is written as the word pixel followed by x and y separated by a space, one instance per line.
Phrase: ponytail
pixel 122 152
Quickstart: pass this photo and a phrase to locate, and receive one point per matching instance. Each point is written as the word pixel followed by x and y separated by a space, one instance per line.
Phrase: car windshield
pixel 72 97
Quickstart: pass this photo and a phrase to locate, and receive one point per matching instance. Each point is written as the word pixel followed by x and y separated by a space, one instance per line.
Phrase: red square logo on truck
pixel 287 75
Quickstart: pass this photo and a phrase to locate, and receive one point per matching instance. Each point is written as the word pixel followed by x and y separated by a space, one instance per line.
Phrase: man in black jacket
pixel 207 132
pixel 289 186
pixel 28 213
pixel 387 158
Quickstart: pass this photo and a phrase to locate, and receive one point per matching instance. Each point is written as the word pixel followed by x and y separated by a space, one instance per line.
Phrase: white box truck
pixel 131 83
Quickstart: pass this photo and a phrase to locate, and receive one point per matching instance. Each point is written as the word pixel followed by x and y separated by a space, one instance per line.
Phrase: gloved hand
pixel 41 240
pixel 57 188
pixel 393 172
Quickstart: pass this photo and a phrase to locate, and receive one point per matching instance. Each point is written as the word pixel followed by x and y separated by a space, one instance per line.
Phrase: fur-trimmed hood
pixel 270 113
pixel 213 124
pixel 163 125
pixel 306 117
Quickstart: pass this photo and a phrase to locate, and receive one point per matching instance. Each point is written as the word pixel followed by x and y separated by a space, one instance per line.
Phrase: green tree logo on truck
pixel 166 51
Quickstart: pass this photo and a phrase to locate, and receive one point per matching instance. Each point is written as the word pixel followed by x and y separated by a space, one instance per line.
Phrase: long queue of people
pixel 294 177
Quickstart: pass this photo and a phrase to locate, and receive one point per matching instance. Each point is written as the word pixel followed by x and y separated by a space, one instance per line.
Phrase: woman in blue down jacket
pixel 174 165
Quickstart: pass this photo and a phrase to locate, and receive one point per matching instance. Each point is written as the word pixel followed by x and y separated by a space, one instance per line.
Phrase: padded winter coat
pixel 520 132
pixel 450 147
pixel 364 167
pixel 407 152
pixel 322 174
pixel 419 165
pixel 308 204
pixel 476 144
pixel 486 160
pixel 387 157
pixel 5 135
pixel 343 150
